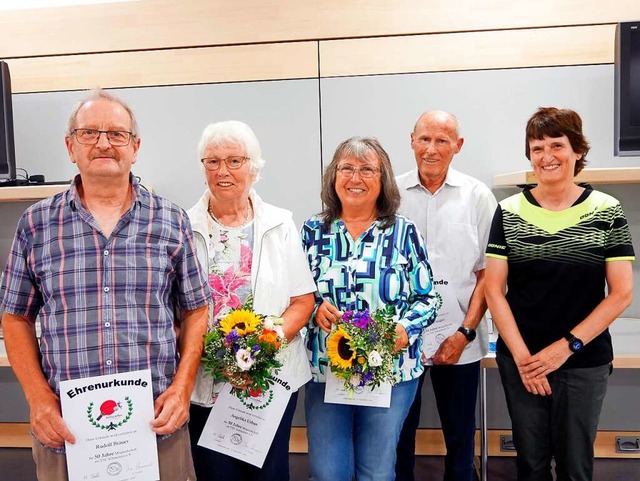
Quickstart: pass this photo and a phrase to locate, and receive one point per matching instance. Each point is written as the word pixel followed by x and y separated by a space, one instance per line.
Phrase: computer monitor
pixel 7 150
pixel 627 89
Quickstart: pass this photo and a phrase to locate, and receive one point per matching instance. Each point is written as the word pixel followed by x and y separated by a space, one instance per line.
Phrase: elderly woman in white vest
pixel 248 247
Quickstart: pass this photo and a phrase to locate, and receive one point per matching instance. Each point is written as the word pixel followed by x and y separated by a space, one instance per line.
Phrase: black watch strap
pixel 575 344
pixel 470 334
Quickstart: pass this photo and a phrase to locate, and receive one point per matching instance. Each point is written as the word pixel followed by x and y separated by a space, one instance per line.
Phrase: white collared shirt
pixel 455 221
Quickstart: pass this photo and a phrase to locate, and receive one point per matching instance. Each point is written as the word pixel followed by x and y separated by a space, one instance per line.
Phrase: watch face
pixel 576 345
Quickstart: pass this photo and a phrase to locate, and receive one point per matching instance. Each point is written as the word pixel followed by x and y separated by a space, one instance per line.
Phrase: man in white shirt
pixel 453 212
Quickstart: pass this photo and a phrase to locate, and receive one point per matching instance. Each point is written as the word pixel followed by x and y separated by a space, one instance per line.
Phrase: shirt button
pixel 109 362
pixel 106 289
pixel 106 253
pixel 107 324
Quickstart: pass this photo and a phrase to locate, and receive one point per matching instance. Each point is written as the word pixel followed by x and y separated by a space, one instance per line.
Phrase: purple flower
pixel 346 316
pixel 232 337
pixel 362 319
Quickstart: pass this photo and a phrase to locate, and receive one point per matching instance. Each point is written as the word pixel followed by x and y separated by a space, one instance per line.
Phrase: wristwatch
pixel 470 334
pixel 575 344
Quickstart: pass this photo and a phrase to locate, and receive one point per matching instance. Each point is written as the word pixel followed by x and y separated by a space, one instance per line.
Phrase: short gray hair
pixel 233 132
pixel 388 200
pixel 100 94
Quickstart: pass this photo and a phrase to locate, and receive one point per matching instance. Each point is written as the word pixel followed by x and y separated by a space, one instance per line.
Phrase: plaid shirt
pixel 105 305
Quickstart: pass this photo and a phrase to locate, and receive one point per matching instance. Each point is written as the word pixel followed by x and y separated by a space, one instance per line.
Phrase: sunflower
pixel 242 320
pixel 340 353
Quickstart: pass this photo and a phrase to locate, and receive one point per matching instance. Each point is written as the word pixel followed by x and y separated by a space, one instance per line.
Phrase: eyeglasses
pixel 117 138
pixel 365 171
pixel 232 163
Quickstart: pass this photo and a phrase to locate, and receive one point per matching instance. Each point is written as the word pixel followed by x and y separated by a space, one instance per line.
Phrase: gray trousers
pixel 174 458
pixel 561 426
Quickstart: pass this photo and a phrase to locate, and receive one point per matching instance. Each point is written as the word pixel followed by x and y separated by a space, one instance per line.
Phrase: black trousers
pixel 455 388
pixel 561 426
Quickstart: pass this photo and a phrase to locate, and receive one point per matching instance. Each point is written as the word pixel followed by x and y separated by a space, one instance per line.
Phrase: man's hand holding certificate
pixel 110 418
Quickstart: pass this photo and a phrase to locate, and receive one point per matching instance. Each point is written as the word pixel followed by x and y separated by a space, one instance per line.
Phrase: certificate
pixel 110 417
pixel 335 393
pixel 244 429
pixel 448 320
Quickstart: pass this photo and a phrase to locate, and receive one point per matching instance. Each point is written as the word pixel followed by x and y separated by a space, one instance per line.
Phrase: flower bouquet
pixel 241 349
pixel 361 349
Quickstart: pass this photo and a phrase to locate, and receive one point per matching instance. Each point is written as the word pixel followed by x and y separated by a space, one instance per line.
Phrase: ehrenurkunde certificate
pixel 244 429
pixel 110 418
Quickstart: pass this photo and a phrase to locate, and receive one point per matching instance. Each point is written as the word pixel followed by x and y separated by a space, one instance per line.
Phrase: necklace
pixel 244 222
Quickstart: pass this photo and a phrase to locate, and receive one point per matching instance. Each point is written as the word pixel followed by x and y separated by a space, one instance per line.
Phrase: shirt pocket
pixel 149 273
pixel 393 285
pixel 152 258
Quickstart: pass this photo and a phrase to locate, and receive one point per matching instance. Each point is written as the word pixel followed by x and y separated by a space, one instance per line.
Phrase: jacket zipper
pixel 260 256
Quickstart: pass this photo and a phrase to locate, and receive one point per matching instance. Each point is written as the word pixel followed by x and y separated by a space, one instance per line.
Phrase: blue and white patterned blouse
pixel 382 267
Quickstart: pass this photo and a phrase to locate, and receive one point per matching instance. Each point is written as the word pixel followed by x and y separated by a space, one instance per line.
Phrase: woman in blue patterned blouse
pixel 363 256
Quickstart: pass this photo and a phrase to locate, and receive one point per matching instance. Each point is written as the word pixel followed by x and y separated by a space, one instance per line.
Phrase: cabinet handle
pixel 506 443
pixel 627 444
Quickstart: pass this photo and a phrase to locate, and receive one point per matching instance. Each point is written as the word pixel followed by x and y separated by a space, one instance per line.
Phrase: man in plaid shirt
pixel 105 265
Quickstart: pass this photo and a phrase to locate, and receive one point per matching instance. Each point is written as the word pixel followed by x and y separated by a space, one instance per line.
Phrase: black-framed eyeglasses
pixel 365 171
pixel 232 163
pixel 117 138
